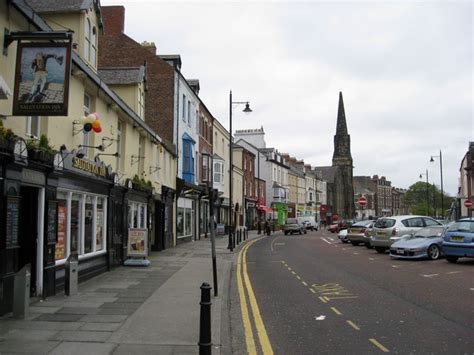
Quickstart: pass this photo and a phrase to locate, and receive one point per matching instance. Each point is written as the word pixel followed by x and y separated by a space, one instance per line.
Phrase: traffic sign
pixel 468 203
pixel 362 201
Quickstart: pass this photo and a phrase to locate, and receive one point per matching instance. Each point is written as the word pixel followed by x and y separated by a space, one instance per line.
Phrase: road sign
pixel 362 201
pixel 468 203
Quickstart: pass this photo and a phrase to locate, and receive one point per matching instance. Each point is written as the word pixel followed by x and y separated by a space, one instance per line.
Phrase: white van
pixel 310 222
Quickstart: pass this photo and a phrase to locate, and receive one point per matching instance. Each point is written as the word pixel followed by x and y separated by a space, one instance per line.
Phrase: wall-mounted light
pixel 77 127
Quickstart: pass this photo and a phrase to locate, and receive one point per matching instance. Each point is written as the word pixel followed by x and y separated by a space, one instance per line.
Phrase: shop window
pixel 99 224
pixel 137 215
pixel 142 216
pixel 88 225
pixel 180 222
pixel 61 244
pixel 81 224
pixel 75 222
pixel 188 221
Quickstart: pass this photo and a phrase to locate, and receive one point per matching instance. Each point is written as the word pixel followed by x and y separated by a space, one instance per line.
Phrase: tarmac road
pixel 316 295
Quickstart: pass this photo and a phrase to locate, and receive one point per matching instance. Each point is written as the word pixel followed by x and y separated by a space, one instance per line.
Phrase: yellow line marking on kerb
pixel 378 345
pixel 335 310
pixel 352 324
pixel 299 278
pixel 304 283
pixel 261 332
pixel 249 340
pixel 322 299
pixel 313 291
pixel 294 273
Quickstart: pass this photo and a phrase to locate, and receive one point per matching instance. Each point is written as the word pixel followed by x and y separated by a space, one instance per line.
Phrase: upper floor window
pixel 184 108
pixel 188 159
pixel 33 126
pixel 87 38
pixel 90 43
pixel 218 172
pixel 189 113
pixel 93 57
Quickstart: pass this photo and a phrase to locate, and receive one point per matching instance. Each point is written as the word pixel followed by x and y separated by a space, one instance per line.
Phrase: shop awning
pixel 265 209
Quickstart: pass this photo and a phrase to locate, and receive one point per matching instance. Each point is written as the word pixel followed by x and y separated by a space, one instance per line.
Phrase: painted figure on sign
pixel 40 73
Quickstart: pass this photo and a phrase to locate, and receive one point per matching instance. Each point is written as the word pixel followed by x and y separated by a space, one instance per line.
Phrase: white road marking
pixel 325 240
pixel 331 239
pixel 472 288
pixel 356 253
pixel 453 272
pixel 320 317
pixel 372 259
pixel 395 266
pixel 430 275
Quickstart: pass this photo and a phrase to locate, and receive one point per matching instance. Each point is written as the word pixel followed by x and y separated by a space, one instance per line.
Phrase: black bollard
pixel 246 235
pixel 205 344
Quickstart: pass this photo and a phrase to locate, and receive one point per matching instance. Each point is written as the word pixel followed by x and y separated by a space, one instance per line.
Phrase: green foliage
pixel 425 199
pixel 6 133
pixel 141 182
pixel 42 144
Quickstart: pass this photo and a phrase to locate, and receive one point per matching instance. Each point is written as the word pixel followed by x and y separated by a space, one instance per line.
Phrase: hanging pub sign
pixel 42 79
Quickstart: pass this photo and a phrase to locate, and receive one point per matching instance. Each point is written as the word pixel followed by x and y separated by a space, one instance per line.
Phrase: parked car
pixel 293 226
pixel 387 230
pixel 310 222
pixel 334 227
pixel 337 226
pixel 458 241
pixel 355 233
pixel 368 235
pixel 342 235
pixel 426 243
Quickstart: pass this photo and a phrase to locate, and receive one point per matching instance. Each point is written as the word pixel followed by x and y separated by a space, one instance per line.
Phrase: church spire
pixel 341 128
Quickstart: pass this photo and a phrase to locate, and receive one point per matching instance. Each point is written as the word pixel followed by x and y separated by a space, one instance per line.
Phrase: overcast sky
pixel 405 70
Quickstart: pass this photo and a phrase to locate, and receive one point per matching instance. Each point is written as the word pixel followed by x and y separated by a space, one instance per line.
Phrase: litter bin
pixel 21 292
pixel 72 274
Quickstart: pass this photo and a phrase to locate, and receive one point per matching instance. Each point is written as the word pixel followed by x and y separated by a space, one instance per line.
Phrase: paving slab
pixel 34 309
pixel 77 310
pixel 59 317
pixel 19 324
pixel 116 311
pixel 78 348
pixel 127 349
pixel 131 299
pixel 101 327
pixel 32 347
pixel 122 305
pixel 82 336
pixel 104 318
pixel 29 334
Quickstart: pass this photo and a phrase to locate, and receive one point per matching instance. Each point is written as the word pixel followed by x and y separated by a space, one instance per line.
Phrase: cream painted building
pixel 101 189
pixel 221 169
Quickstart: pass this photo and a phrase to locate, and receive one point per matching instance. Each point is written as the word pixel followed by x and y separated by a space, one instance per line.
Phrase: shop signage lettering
pixel 89 167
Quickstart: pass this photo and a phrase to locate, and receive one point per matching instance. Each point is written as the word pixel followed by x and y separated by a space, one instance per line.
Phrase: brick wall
pixel 118 50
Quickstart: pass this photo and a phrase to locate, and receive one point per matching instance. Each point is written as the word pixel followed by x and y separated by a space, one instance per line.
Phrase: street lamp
pixel 427 192
pixel 231 168
pixel 212 194
pixel 440 156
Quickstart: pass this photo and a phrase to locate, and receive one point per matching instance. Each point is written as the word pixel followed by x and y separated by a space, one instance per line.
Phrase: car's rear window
pixel 384 223
pixel 462 226
pixel 361 224
pixel 292 221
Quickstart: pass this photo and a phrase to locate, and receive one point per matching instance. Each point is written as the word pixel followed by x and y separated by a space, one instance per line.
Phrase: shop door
pixel 28 232
pixel 117 232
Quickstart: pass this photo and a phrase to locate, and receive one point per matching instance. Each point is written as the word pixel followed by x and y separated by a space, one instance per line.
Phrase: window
pixel 184 107
pixel 81 224
pixel 93 50
pixel 188 160
pixel 218 172
pixel 87 37
pixel 157 167
pixel 205 168
pixel 33 126
pixel 137 215
pixel 119 145
pixel 141 103
pixel 189 113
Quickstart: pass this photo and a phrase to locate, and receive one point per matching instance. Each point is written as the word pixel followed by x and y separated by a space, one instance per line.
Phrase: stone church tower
pixel 343 200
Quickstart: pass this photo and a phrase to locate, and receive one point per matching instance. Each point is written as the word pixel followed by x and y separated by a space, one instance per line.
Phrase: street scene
pixel 236 178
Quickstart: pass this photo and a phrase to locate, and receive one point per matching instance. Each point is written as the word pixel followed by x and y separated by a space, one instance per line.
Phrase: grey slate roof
pixel 122 76
pixel 44 6
pixel 327 172
pixel 362 190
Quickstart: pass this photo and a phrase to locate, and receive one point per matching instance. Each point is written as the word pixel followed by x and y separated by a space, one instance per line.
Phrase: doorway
pixel 29 232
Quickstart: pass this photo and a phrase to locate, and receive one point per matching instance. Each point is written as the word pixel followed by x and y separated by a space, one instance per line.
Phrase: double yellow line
pixel 243 284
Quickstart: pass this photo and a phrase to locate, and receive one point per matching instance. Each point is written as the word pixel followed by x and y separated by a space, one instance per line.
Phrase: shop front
pixel 163 233
pixel 250 213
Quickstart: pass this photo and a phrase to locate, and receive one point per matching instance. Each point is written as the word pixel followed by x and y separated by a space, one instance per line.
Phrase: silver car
pixel 387 230
pixel 426 243
pixel 356 232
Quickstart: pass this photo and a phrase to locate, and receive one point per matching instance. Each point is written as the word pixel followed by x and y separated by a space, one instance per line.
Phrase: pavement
pixel 131 310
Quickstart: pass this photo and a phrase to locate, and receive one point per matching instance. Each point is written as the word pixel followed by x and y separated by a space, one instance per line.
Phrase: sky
pixel 405 69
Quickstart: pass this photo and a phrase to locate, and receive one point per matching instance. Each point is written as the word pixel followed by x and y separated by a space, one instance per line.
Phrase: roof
pixel 296 172
pixel 327 172
pixel 122 76
pixel 362 190
pixel 42 6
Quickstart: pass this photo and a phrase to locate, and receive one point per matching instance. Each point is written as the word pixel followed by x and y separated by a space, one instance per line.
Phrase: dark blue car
pixel 458 241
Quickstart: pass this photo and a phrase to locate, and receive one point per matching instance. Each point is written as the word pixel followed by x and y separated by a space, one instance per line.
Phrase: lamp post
pixel 440 156
pixel 427 192
pixel 231 167
pixel 212 194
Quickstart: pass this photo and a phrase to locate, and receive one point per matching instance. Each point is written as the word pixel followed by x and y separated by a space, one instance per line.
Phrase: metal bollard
pixel 21 292
pixel 205 344
pixel 72 274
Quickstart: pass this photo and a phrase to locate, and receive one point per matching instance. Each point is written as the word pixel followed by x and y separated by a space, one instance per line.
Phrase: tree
pixel 425 199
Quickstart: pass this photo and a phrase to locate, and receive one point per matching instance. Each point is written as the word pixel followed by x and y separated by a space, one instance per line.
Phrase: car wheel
pixel 433 252
pixel 344 241
pixel 368 246
pixel 452 259
pixel 354 243
pixel 300 233
pixel 286 233
pixel 380 250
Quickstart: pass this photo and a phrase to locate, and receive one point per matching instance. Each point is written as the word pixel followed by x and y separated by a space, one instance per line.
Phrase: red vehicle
pixel 334 228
